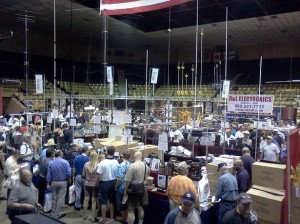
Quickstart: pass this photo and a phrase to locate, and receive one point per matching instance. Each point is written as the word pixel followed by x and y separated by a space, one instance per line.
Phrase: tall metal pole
pixel 169 46
pixel 259 84
pixel 104 48
pixel 178 71
pixel 146 100
pixel 126 94
pixel 182 71
pixel 54 58
pixel 26 19
pixel 54 54
pixel 225 99
pixel 196 57
pixel 226 45
pixel 26 63
pixel 201 58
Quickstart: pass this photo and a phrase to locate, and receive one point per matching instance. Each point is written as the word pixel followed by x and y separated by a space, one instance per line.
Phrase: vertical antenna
pixel 26 19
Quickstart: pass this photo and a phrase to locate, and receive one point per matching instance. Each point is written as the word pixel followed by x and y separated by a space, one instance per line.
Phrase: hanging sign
pixel 154 75
pixel 39 87
pixel 109 73
pixel 250 103
pixel 225 91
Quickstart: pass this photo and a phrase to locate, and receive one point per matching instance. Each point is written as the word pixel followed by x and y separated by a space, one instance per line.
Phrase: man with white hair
pixel 269 151
pixel 136 174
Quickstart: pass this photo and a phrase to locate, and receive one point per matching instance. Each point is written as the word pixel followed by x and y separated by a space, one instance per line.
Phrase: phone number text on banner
pixel 250 103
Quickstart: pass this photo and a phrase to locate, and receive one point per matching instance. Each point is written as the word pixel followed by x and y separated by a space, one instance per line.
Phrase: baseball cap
pixel 270 137
pixel 220 165
pixel 189 198
pixel 275 130
pixel 244 198
pixel 246 132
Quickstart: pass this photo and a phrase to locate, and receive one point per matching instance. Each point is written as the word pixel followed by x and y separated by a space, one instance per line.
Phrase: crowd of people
pixel 106 188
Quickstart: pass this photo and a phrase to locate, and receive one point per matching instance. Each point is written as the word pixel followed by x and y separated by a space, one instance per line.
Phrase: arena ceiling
pixel 250 22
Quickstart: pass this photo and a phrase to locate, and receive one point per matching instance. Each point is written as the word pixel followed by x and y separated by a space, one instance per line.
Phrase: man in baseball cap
pixel 186 213
pixel 227 190
pixel 242 213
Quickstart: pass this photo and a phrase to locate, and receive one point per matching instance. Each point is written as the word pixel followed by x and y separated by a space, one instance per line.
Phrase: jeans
pixel 58 189
pixel 79 186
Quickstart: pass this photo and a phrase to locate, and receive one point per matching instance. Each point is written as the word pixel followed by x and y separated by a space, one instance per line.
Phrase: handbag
pixel 48 201
pixel 137 190
pixel 72 192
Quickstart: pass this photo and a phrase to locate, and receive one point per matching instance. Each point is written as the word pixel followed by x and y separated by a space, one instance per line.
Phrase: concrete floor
pixel 72 217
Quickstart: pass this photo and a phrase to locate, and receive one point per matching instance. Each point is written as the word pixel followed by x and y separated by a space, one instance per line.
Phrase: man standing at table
pixel 179 185
pixel 186 212
pixel 227 190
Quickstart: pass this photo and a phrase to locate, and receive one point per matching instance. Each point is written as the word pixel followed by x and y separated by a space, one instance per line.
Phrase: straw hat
pixel 50 142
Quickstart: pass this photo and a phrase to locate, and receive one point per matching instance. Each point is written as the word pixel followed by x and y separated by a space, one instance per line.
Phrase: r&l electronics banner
pixel 250 103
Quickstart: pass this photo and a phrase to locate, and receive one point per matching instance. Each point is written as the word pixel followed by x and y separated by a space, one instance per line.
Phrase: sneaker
pixel 77 209
pixel 125 198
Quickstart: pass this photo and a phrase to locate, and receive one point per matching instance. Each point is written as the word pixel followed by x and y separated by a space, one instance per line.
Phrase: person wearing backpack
pixel 72 151
pixel 27 152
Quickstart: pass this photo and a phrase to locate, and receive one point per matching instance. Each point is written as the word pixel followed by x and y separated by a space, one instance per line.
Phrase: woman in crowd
pixel 91 185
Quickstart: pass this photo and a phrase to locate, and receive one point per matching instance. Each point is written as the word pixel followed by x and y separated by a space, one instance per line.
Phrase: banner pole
pixel 259 84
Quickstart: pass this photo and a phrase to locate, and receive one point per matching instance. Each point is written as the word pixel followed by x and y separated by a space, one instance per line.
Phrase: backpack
pixel 69 155
pixel 282 155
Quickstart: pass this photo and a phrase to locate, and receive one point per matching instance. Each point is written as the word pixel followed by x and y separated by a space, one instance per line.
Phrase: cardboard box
pixel 228 161
pixel 268 175
pixel 266 205
pixel 213 174
pixel 213 187
pixel 295 205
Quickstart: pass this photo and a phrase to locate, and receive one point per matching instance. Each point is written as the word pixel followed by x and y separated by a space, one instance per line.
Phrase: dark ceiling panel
pixel 210 11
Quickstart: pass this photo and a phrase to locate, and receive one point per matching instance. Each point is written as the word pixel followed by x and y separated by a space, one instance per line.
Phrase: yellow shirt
pixel 178 186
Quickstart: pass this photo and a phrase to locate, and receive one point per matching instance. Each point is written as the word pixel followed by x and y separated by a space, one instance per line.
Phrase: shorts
pixel 134 202
pixel 120 206
pixel 107 191
pixel 91 191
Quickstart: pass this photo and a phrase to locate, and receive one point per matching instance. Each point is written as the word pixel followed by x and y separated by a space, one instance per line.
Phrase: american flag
pixel 119 7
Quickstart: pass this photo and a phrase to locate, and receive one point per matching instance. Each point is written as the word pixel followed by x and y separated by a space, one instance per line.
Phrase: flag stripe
pixel 130 7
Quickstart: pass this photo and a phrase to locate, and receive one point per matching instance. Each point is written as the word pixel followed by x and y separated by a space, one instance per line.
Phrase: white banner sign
pixel 225 91
pixel 109 73
pixel 154 75
pixel 250 103
pixel 39 83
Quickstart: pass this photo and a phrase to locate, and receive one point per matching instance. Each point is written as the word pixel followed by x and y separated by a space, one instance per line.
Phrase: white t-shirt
pixel 26 149
pixel 107 168
pixel 269 151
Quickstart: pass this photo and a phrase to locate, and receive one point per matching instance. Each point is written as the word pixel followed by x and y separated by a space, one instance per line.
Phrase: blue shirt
pixel 243 180
pixel 43 153
pixel 79 162
pixel 227 188
pixel 121 173
pixel 59 169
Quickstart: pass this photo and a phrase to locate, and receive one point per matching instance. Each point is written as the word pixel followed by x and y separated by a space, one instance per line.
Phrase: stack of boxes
pixel 268 191
pixel 213 174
